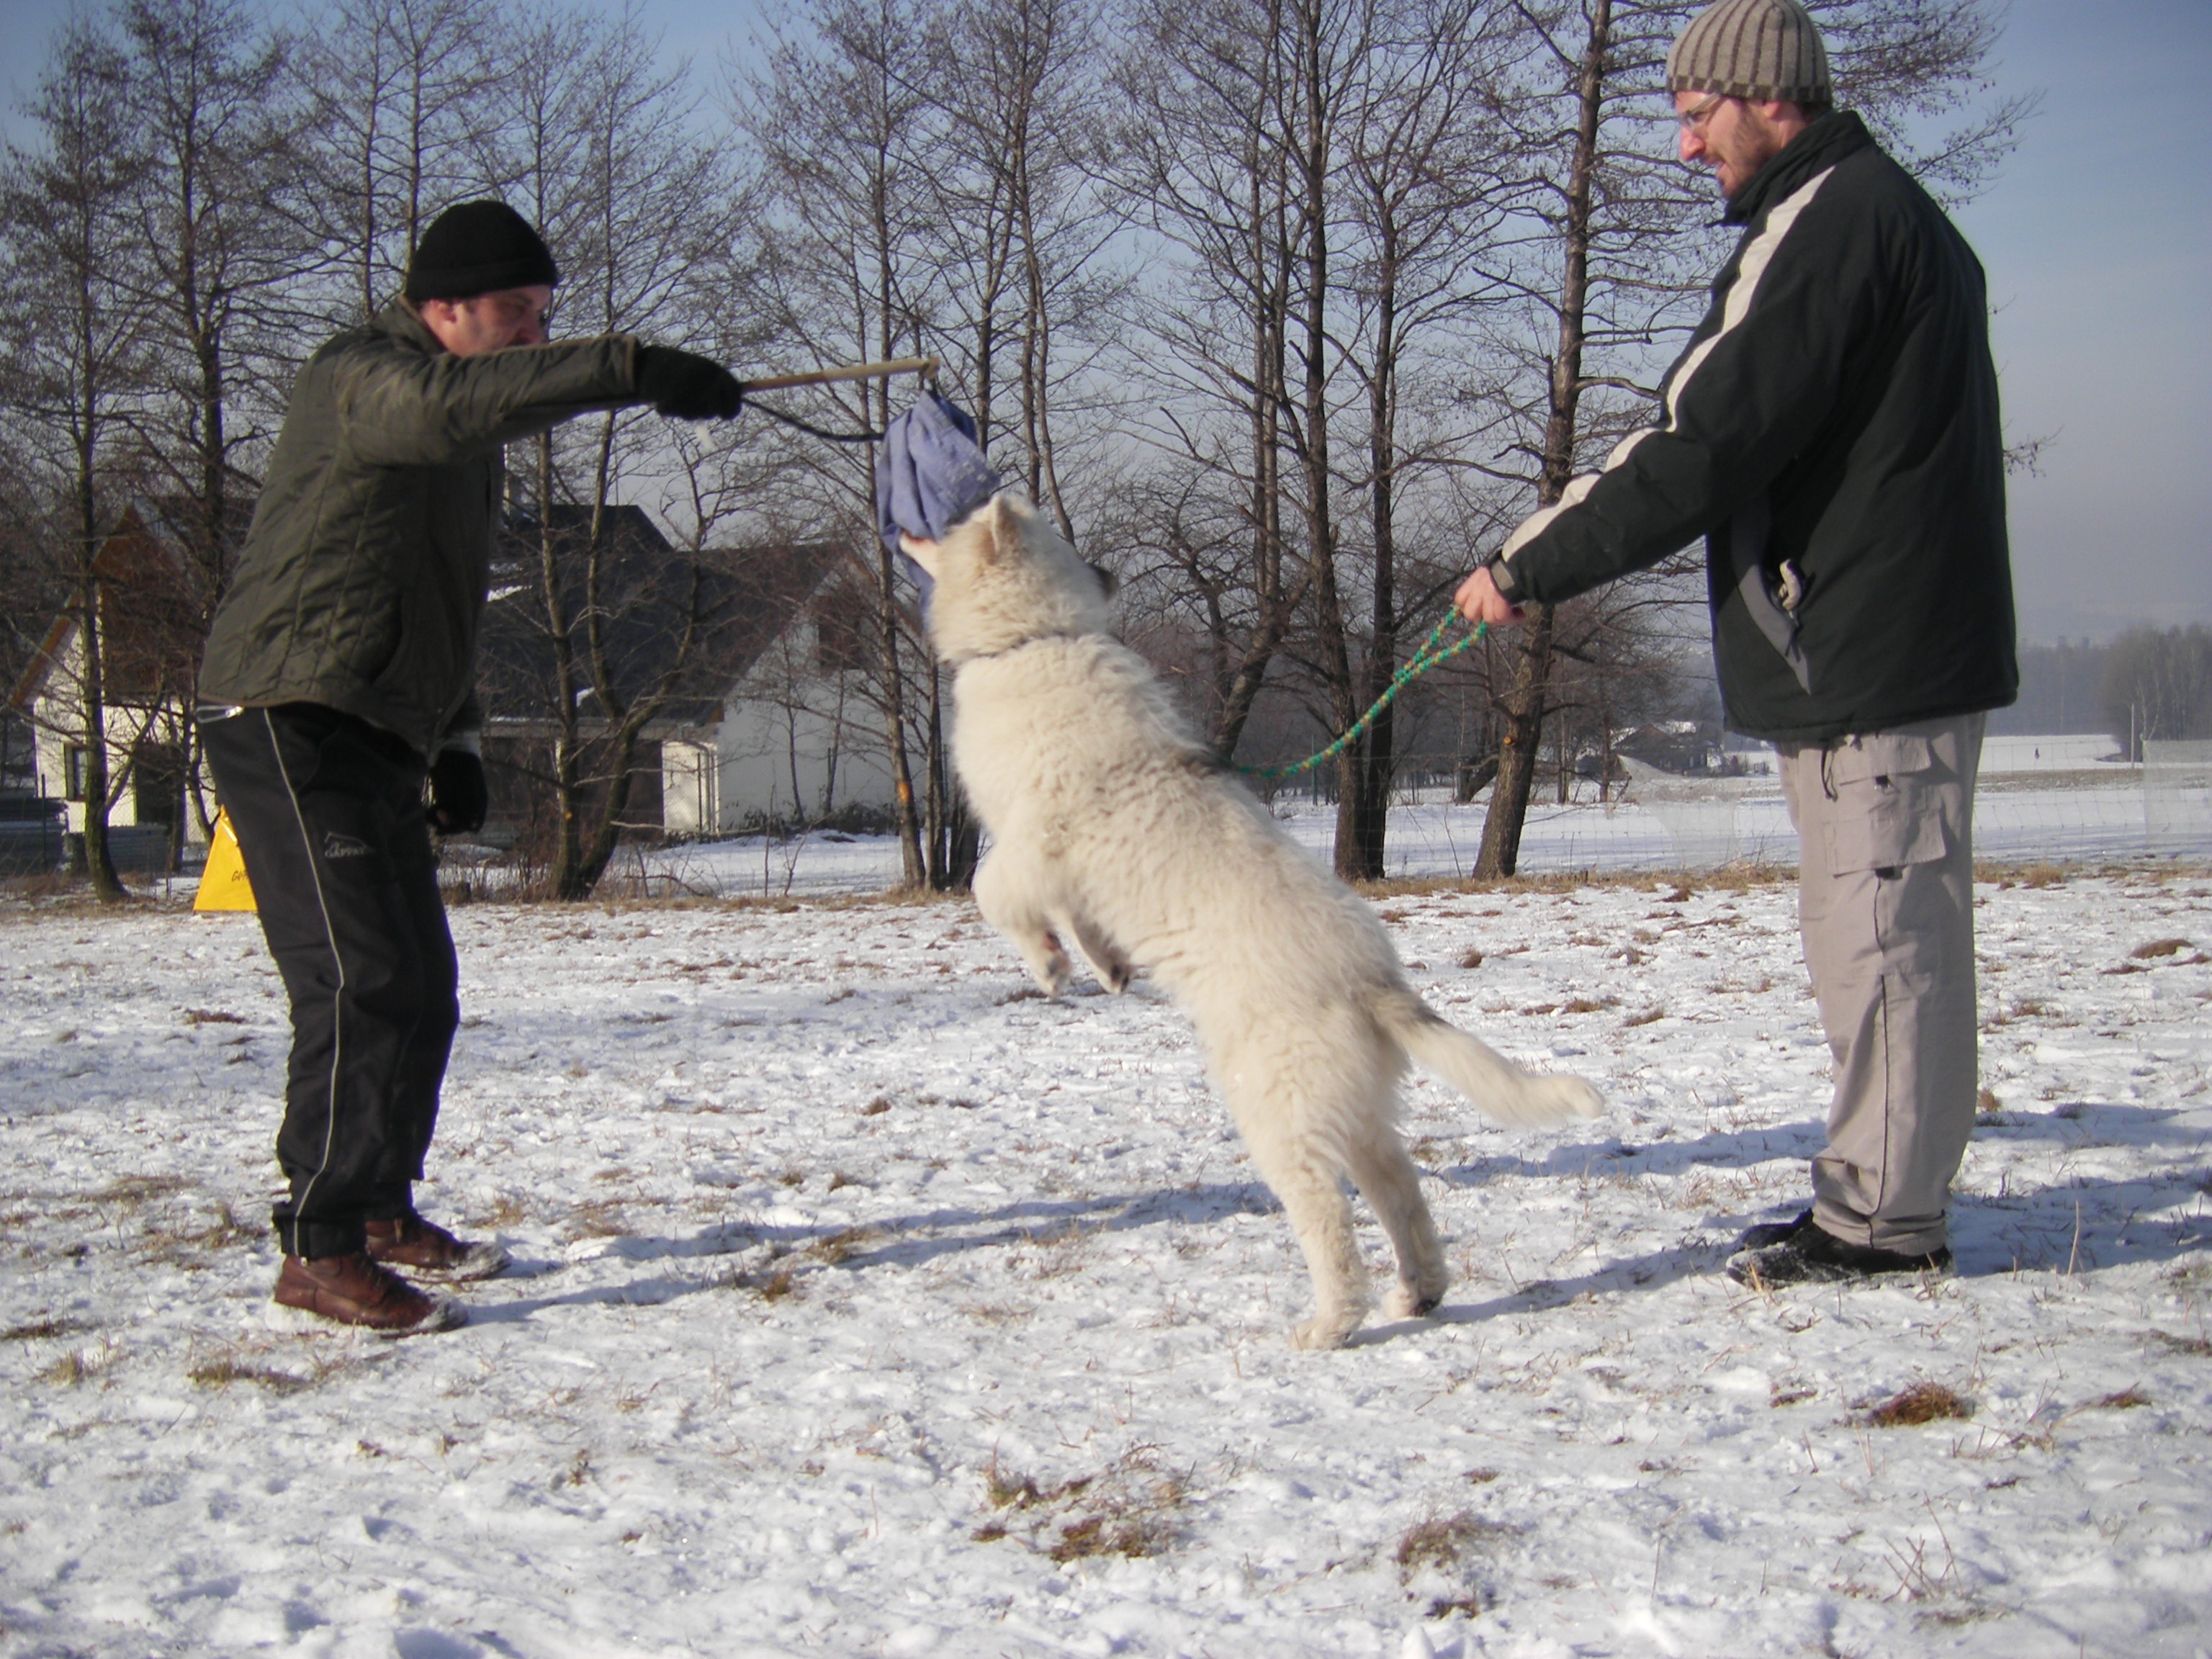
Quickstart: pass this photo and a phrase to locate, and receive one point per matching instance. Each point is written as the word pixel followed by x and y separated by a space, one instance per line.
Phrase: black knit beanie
pixel 478 247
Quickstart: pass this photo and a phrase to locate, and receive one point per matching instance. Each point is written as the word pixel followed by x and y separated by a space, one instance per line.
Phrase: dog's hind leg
pixel 1392 1187
pixel 1006 893
pixel 1312 1195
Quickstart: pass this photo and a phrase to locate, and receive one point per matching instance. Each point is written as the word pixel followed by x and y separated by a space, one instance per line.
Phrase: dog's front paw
pixel 1572 1098
pixel 1115 975
pixel 1049 964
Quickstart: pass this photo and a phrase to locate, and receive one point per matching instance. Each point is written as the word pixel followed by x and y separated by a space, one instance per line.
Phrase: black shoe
pixel 1813 1256
pixel 1774 1232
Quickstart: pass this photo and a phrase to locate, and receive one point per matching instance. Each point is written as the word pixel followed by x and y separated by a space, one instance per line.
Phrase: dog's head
pixel 1003 576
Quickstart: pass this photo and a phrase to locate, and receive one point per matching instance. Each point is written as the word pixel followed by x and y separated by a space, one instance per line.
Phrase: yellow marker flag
pixel 223 885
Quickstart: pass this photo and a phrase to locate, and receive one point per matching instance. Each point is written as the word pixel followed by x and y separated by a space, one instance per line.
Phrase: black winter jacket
pixel 1832 429
pixel 363 583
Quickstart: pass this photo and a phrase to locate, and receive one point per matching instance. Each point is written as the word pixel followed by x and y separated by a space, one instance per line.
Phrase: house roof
pixel 150 614
pixel 745 598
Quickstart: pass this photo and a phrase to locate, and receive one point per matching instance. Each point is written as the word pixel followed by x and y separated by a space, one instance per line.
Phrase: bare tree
pixel 844 134
pixel 1202 157
pixel 77 353
pixel 600 146
pixel 220 267
pixel 400 92
pixel 2158 686
pixel 1420 196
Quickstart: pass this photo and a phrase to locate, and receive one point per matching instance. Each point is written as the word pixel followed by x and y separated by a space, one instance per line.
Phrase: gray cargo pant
pixel 1886 905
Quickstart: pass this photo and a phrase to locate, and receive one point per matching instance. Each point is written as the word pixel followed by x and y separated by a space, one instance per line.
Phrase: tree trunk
pixel 568 758
pixel 1524 701
pixel 1364 809
pixel 1523 711
pixel 913 871
pixel 99 865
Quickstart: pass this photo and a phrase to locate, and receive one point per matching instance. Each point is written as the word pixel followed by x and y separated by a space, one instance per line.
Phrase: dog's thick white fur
pixel 1114 830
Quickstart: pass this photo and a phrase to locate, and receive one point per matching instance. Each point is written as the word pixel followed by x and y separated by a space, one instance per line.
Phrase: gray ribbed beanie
pixel 1752 49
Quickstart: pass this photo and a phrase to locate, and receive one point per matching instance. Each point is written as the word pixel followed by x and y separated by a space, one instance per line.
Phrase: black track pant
pixel 328 811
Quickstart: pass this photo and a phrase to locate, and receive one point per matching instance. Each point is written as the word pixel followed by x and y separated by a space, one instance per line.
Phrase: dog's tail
pixel 1471 1066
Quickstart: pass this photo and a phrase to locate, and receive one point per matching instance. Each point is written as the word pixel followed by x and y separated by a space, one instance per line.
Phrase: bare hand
pixel 1480 601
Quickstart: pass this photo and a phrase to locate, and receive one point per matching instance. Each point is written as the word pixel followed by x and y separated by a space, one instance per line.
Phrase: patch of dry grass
pixel 772 1282
pixel 1923 1402
pixel 136 1191
pixel 44 1330
pixel 2161 947
pixel 837 1246
pixel 221 1373
pixel 2034 876
pixel 83 1366
pixel 1130 1508
pixel 1440 1547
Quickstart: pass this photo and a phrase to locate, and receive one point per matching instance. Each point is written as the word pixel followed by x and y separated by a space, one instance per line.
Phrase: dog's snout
pixel 1109 583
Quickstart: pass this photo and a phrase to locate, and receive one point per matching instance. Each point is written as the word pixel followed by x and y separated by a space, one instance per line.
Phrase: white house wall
pixel 756 743
pixel 58 717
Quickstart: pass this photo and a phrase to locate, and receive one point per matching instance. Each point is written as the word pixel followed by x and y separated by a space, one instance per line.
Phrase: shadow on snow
pixel 2081 1224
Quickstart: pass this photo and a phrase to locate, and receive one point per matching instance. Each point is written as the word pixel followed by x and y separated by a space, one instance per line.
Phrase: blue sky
pixel 2098 242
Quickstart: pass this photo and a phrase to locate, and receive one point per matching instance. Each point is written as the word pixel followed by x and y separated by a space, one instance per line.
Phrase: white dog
pixel 1114 830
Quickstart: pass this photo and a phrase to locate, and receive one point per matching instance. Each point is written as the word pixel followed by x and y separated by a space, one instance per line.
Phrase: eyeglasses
pixel 1695 117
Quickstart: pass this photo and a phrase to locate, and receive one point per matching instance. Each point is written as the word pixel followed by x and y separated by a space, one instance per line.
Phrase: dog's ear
pixel 1002 529
pixel 924 553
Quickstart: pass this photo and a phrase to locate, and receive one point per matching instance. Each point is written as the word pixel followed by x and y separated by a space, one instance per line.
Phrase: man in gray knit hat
pixel 1832 431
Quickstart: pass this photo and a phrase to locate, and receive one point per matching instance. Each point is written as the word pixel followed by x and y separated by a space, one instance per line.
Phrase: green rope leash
pixel 1423 660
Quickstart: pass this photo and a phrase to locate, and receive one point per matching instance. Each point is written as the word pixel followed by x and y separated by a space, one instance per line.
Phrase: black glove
pixel 458 796
pixel 688 387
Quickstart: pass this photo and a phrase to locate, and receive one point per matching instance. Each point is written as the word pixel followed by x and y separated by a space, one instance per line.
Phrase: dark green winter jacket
pixel 362 584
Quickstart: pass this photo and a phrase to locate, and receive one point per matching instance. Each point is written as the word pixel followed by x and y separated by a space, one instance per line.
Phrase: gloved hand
pixel 458 798
pixel 687 386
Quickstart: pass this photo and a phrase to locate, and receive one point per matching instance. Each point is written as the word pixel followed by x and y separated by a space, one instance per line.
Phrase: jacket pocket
pixel 1889 802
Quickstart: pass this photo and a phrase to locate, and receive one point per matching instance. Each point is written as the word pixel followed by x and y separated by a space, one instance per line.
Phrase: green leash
pixel 1423 660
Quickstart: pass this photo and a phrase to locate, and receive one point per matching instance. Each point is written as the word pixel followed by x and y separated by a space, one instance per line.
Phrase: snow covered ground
pixel 870 1304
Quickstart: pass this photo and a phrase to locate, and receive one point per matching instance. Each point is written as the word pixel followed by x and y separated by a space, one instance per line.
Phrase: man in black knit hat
pixel 1832 431
pixel 340 674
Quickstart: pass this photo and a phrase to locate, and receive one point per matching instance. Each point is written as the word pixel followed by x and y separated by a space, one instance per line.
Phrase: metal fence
pixel 2038 800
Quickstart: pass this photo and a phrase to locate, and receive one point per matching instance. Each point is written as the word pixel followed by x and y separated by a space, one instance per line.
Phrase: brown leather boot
pixel 425 1248
pixel 352 1290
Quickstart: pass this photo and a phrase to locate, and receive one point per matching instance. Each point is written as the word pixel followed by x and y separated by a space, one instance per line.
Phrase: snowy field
pixel 2018 817
pixel 869 1305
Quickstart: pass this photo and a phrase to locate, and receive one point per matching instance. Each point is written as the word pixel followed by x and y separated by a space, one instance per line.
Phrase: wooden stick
pixel 850 371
